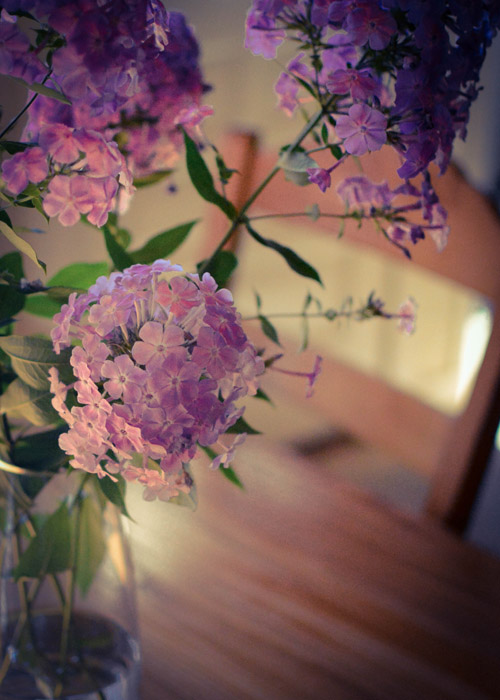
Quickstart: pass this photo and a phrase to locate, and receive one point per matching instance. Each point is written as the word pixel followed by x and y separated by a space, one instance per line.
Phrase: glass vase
pixel 68 623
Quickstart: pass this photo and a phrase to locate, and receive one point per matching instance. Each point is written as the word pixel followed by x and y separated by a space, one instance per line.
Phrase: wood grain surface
pixel 303 587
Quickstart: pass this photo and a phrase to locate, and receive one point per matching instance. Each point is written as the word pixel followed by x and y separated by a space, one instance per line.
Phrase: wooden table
pixel 305 588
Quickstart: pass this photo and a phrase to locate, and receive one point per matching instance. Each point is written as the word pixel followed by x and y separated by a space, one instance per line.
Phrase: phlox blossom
pixel 68 198
pixel 23 168
pixel 160 361
pixel 407 314
pixel 363 129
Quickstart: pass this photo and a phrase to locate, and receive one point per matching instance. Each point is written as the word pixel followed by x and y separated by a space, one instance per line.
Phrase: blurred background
pixel 436 363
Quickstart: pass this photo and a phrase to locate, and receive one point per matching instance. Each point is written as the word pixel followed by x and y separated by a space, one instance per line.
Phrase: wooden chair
pixel 452 450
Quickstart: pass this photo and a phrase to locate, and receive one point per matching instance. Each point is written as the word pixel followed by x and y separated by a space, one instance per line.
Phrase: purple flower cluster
pixel 379 201
pixel 396 72
pixel 160 366
pixel 130 70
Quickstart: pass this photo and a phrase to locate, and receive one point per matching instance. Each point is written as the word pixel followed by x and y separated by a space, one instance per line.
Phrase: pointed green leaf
pixel 49 552
pixel 11 303
pixel 306 85
pixel 336 151
pixel 297 264
pixel 262 395
pixel 13 147
pixel 231 475
pixel 313 212
pixel 78 275
pixel 162 244
pixel 42 89
pixel 305 334
pixel 33 405
pixel 115 492
pixel 222 266
pixel 21 245
pixel 91 543
pixel 268 329
pixel 40 451
pixel 152 179
pixel 202 179
pixel 32 357
pixel 13 264
pixel 186 500
pixel 121 259
pixel 73 278
pixel 11 300
pixel 241 426
pixel 228 471
pixel 296 161
pixel 42 305
pixel 225 173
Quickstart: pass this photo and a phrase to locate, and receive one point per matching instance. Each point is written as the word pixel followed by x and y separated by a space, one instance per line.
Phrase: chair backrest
pixel 452 450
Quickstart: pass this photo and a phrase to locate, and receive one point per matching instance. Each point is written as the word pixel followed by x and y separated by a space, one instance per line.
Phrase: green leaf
pixel 228 472
pixel 42 305
pixel 73 278
pixel 231 475
pixel 32 357
pixel 162 244
pixel 221 267
pixel 295 165
pixel 91 543
pixel 305 334
pixel 33 405
pixel 42 89
pixel 37 203
pixel 12 263
pixel 152 179
pixel 297 264
pixel 202 179
pixel 49 552
pixel 269 330
pixel 313 212
pixel 336 151
pixel 186 500
pixel 115 492
pixel 78 275
pixel 13 147
pixel 241 426
pixel 11 300
pixel 306 85
pixel 21 245
pixel 296 161
pixel 5 218
pixel 225 173
pixel 121 259
pixel 262 395
pixel 41 451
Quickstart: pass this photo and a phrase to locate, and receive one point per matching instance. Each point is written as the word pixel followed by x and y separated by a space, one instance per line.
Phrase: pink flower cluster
pixel 160 366
pixel 79 169
pixel 129 69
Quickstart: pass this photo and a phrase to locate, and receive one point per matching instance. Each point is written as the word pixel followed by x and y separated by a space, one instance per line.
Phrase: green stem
pixel 240 217
pixel 70 598
pixel 18 116
pixel 290 215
